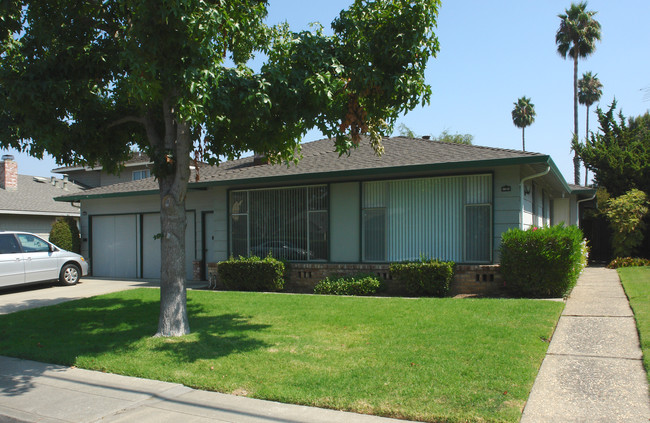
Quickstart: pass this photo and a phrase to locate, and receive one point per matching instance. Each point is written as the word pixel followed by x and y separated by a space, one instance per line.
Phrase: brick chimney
pixel 8 173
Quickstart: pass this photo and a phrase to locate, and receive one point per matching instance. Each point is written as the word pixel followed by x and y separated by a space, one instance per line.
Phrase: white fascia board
pixel 39 213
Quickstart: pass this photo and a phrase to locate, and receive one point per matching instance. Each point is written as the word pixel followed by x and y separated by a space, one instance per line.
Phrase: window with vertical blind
pixel 448 218
pixel 289 223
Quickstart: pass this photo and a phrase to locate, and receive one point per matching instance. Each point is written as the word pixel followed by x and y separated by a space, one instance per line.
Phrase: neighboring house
pixel 27 202
pixel 338 214
pixel 136 168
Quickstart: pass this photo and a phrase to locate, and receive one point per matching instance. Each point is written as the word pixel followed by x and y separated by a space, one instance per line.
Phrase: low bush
pixel 427 277
pixel 65 234
pixel 251 274
pixel 361 284
pixel 628 262
pixel 542 262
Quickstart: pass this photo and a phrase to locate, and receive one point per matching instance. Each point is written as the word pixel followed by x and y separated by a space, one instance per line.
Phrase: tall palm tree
pixel 589 91
pixel 523 115
pixel 576 37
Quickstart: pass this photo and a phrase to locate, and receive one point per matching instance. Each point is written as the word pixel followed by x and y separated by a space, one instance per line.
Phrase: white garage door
pixel 150 246
pixel 114 246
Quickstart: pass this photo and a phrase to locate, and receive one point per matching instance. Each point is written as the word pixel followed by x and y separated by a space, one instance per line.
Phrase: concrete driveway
pixel 22 298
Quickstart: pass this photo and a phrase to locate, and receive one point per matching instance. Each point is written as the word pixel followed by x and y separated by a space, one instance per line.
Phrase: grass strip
pixel 435 360
pixel 636 282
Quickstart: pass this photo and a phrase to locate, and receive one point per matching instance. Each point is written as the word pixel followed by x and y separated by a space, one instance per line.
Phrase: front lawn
pixel 636 281
pixel 428 359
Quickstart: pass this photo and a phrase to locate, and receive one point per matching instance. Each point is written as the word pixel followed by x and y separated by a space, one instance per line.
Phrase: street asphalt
pixel 592 373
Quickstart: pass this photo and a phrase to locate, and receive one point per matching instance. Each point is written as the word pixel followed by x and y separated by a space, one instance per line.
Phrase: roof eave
pixel 396 170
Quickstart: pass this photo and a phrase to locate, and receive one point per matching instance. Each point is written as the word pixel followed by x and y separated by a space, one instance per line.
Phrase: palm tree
pixel 523 115
pixel 589 91
pixel 577 38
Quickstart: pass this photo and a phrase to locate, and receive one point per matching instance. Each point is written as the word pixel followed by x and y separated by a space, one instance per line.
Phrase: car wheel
pixel 70 274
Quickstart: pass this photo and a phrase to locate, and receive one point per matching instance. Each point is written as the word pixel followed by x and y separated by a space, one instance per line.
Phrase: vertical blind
pixel 445 217
pixel 289 223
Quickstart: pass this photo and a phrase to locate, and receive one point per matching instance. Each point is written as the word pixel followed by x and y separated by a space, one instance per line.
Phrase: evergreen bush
pixel 542 262
pixel 427 277
pixel 252 274
pixel 361 284
pixel 65 234
pixel 625 215
pixel 628 262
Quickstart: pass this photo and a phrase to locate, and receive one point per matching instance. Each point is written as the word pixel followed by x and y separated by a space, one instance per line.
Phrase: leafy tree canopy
pixel 445 136
pixel 87 81
pixel 456 138
pixel 619 154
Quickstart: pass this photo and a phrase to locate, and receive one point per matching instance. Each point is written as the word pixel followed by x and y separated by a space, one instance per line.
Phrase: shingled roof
pixel 137 158
pixel 35 196
pixel 321 161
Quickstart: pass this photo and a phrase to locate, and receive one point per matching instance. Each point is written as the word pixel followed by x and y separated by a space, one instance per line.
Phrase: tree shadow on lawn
pixel 96 326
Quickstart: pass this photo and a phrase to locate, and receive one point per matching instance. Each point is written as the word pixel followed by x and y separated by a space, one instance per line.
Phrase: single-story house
pixel 27 202
pixel 332 213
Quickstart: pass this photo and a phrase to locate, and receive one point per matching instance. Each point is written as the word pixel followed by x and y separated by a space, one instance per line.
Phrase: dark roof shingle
pixel 320 158
pixel 35 195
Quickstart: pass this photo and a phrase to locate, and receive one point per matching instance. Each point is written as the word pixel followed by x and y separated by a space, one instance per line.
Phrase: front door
pixel 207 241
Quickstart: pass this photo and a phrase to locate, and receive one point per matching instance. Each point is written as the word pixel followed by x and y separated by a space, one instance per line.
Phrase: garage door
pixel 114 246
pixel 150 246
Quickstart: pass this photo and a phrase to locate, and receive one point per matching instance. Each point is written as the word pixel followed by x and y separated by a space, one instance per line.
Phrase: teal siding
pixel 345 226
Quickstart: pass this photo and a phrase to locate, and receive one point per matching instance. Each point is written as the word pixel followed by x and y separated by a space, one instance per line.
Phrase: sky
pixel 492 53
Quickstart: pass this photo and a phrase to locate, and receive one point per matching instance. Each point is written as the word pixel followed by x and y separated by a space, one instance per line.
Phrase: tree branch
pixel 152 134
pixel 126 119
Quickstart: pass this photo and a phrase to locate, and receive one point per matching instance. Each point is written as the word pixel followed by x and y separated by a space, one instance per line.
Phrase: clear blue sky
pixel 492 53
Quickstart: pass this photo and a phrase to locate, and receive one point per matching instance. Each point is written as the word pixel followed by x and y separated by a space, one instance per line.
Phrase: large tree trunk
pixel 523 141
pixel 173 320
pixel 576 159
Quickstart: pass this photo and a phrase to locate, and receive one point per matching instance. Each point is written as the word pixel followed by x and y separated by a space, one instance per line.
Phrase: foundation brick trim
pixel 302 277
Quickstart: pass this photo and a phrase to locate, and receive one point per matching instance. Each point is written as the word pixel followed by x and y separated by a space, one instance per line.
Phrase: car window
pixel 8 244
pixel 33 244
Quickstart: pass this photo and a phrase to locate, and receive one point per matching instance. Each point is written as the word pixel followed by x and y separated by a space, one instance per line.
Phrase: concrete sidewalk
pixel 593 370
pixel 38 392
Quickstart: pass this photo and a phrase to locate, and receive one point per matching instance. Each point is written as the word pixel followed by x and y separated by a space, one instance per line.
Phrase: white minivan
pixel 25 258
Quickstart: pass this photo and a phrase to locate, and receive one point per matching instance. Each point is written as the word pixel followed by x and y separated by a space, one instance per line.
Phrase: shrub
pixel 361 284
pixel 542 262
pixel 64 234
pixel 426 277
pixel 627 262
pixel 625 215
pixel 251 274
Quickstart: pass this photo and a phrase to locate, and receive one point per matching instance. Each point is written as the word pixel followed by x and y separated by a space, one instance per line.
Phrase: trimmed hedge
pixel 65 234
pixel 252 274
pixel 430 278
pixel 628 262
pixel 361 284
pixel 542 262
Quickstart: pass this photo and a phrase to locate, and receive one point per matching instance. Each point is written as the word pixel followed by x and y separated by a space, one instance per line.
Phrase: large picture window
pixel 288 223
pixel 447 218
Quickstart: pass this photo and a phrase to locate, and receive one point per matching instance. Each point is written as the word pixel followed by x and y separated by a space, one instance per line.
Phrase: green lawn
pixel 636 281
pixel 451 360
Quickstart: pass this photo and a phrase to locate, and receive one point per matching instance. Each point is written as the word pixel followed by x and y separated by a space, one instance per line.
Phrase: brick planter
pixel 302 277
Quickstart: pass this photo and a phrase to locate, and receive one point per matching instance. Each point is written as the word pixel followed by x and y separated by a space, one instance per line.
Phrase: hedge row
pixel 252 274
pixel 361 284
pixel 542 262
pixel 425 277
pixel 628 262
